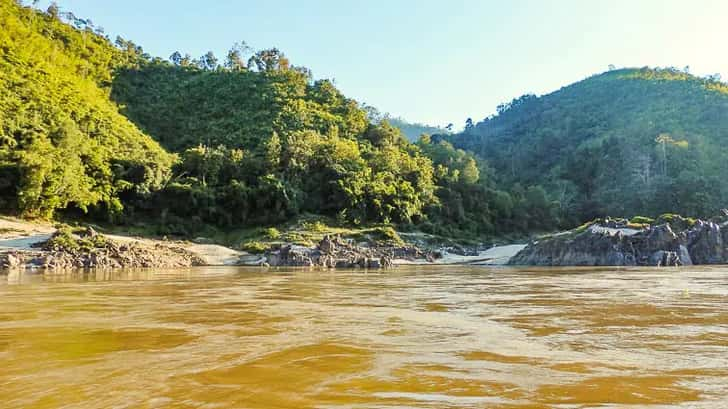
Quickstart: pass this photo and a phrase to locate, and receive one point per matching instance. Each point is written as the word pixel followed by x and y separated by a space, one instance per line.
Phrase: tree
pixel 53 10
pixel 235 59
pixel 663 140
pixel 176 58
pixel 469 173
pixel 186 61
pixel 208 61
pixel 273 152
pixel 383 134
pixel 269 60
pixel 714 77
pixel 134 52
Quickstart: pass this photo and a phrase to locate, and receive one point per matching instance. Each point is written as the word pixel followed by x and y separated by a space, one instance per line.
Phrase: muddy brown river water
pixel 447 337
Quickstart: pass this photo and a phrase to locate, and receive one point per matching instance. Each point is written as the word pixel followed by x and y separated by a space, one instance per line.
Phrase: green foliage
pixel 272 233
pixel 641 220
pixel 385 235
pixel 471 205
pixel 257 144
pixel 252 141
pixel 314 226
pixel 64 141
pixel 632 141
pixel 302 172
pixel 74 240
pixel 184 107
pixel 255 247
pixel 677 221
pixel 302 146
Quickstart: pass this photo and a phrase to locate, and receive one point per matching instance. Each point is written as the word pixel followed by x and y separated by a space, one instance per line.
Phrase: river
pixel 413 337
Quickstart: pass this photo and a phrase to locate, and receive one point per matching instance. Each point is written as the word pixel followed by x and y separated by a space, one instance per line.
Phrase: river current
pixel 412 337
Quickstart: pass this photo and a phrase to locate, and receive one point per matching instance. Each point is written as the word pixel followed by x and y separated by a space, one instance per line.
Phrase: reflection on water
pixel 453 337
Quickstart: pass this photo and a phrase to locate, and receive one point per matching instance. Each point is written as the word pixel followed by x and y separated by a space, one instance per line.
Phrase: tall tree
pixel 176 58
pixel 269 60
pixel 235 60
pixel 208 61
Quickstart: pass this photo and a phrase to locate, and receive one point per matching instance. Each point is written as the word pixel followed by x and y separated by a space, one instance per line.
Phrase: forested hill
pixel 62 141
pixel 91 128
pixel 629 141
pixel 246 140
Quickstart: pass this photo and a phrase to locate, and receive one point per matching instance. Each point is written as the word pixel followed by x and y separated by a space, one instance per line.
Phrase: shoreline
pixel 24 246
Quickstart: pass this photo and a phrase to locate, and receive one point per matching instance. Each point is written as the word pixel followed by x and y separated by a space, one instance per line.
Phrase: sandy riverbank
pixel 23 238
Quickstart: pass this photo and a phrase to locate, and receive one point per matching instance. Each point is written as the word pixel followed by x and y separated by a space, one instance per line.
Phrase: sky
pixel 428 61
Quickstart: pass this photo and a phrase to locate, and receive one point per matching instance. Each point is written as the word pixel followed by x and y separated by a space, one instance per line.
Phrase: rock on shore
pixel 88 249
pixel 24 245
pixel 672 241
pixel 334 252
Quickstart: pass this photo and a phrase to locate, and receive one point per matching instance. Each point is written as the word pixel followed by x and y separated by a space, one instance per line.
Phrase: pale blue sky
pixel 435 61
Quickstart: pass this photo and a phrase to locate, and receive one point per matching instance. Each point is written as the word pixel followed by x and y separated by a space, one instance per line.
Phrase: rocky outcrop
pixel 334 252
pixel 119 256
pixel 615 243
pixel 11 260
pixel 74 252
pixel 706 244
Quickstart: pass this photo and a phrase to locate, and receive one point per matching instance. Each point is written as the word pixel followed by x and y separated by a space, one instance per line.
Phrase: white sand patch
pixel 216 255
pixel 20 235
pixel 23 243
pixel 500 255
pixel 494 256
pixel 213 254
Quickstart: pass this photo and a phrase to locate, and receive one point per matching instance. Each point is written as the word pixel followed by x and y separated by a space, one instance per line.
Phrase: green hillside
pixel 91 128
pixel 248 140
pixel 63 143
pixel 630 141
pixel 184 107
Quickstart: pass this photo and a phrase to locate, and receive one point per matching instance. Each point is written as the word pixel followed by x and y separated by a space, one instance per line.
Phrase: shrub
pixel 255 247
pixel 75 239
pixel 676 221
pixel 585 226
pixel 641 220
pixel 386 235
pixel 62 239
pixel 315 227
pixel 271 233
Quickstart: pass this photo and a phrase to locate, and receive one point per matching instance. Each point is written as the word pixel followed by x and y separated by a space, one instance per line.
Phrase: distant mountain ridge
pixel 629 141
pixel 413 130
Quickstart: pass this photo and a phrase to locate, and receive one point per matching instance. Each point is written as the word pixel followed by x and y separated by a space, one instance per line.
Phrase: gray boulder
pixel 705 243
pixel 663 258
pixel 610 244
